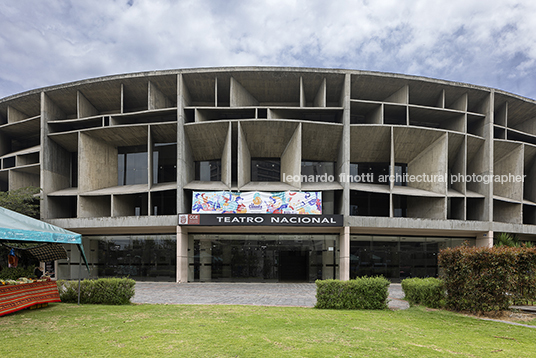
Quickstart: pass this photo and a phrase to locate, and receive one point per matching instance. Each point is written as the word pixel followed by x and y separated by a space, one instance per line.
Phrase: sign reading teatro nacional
pixel 261 220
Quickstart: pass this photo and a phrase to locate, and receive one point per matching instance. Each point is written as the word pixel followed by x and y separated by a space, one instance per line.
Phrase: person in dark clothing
pixel 38 272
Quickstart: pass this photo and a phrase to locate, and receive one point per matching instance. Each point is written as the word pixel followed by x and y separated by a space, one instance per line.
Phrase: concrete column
pixel 205 271
pixel 182 254
pixel 54 159
pixel 344 258
pixel 343 160
pixel 485 239
pixel 185 162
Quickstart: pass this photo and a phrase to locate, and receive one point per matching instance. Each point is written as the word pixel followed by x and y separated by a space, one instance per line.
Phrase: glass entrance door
pixel 262 258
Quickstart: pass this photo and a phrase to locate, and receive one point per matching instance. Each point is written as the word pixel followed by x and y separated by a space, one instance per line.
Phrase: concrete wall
pixel 291 158
pixel 244 159
pixel 84 107
pixel 97 164
pixel 431 161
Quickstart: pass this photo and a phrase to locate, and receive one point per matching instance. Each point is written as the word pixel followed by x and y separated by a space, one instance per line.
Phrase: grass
pixel 68 330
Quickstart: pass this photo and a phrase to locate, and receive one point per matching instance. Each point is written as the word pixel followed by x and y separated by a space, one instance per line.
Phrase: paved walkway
pixel 261 294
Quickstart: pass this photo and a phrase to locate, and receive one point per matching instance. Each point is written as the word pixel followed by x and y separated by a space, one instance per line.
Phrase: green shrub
pixel 109 291
pixel 488 279
pixel 13 273
pixel 429 292
pixel 362 293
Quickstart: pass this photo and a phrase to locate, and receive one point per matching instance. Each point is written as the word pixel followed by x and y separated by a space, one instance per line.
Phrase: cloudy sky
pixel 489 42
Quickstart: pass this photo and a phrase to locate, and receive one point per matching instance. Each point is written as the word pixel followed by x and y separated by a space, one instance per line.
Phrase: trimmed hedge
pixel 429 292
pixel 108 291
pixel 367 293
pixel 488 279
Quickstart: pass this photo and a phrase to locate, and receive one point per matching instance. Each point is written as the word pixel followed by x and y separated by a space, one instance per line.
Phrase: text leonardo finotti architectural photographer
pixel 264 174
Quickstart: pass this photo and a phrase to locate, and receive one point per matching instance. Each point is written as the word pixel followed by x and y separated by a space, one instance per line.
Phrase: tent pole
pixel 79 276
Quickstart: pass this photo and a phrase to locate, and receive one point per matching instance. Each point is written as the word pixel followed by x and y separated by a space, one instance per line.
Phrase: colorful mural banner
pixel 256 202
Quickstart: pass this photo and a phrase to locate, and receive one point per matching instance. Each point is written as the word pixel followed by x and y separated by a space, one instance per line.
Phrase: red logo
pixel 194 219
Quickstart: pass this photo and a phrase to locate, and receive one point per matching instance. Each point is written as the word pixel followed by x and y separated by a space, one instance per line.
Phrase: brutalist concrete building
pixel 272 174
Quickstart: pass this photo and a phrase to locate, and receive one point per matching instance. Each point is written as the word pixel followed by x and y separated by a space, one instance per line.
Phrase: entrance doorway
pixel 293 266
pixel 262 258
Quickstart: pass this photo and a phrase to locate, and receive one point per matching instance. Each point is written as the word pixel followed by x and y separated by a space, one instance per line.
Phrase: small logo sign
pixel 189 219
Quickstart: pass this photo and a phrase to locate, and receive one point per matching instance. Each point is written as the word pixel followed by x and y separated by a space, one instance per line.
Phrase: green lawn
pixel 68 330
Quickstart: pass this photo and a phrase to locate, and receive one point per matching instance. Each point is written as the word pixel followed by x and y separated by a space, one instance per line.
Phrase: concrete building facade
pixel 405 166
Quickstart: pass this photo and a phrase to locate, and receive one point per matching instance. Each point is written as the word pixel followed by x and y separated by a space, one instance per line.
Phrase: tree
pixel 24 201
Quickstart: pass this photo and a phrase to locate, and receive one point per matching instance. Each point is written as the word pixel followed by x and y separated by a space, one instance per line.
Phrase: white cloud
pixel 490 43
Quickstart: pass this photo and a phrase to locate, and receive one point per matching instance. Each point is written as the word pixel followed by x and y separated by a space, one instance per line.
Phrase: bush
pixel 488 279
pixel 109 291
pixel 362 293
pixel 429 292
pixel 13 273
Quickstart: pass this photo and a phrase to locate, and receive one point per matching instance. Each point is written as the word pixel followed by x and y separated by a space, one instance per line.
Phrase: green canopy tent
pixel 15 227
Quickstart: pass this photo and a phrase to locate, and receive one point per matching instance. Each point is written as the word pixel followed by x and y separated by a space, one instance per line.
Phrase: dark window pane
pixel 132 165
pixel 263 169
pixel 369 204
pixel 400 204
pixel 164 202
pixel 317 171
pixel 209 170
pixel 164 163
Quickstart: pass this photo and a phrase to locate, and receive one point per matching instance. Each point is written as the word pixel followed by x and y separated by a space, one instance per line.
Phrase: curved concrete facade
pixel 468 152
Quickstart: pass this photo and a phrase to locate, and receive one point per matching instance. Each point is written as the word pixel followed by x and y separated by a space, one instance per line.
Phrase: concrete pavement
pixel 260 294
